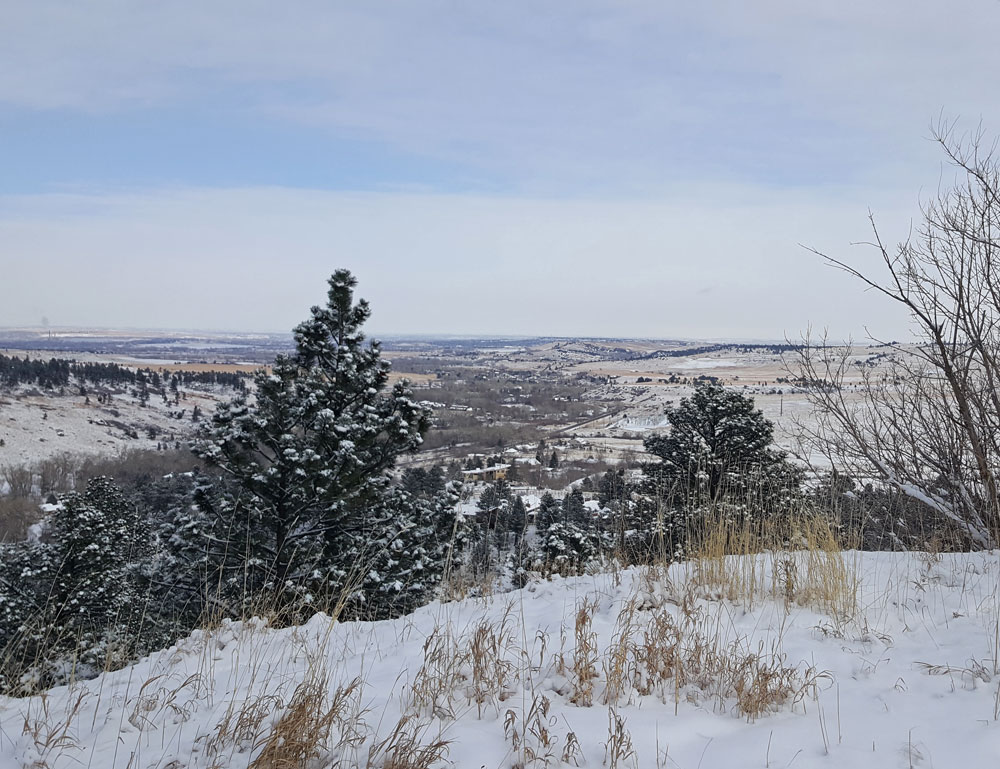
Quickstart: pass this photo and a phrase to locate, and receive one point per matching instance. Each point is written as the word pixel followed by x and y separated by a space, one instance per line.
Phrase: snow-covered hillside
pixel 35 425
pixel 634 668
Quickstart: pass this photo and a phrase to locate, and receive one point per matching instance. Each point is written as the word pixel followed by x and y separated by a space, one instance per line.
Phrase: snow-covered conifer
pixel 310 455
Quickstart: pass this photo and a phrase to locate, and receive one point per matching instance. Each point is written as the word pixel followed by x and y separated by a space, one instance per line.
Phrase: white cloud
pixel 579 91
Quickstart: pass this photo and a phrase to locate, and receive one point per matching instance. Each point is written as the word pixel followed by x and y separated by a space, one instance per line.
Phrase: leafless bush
pixel 133 466
pixel 55 474
pixel 20 480
pixel 16 515
pixel 928 422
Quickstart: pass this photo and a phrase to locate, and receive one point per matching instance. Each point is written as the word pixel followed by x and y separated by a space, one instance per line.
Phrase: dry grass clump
pixel 476 665
pixel 306 730
pixel 618 748
pixel 493 673
pixel 676 657
pixel 404 748
pixel 51 734
pixel 243 728
pixel 152 702
pixel 796 559
pixel 618 663
pixel 442 672
pixel 535 740
pixel 582 670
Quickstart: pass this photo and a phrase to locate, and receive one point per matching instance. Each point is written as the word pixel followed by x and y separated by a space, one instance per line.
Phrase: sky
pixel 641 168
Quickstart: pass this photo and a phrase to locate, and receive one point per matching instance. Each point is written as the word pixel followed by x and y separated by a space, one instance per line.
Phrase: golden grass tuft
pixel 796 560
pixel 304 731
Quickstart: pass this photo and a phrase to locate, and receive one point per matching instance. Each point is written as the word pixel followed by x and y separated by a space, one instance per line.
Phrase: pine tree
pixel 311 457
pixel 68 604
pixel 718 455
pixel 516 522
pixel 565 542
pixel 414 480
pixel 435 481
pixel 96 538
pixel 26 573
pixel 573 509
pixel 717 442
pixel 494 501
pixel 612 488
pixel 549 511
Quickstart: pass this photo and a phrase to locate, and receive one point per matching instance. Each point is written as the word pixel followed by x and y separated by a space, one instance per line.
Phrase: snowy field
pixel 35 426
pixel 629 669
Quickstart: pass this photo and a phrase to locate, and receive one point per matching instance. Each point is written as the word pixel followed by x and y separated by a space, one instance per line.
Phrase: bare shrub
pixel 927 421
pixel 56 474
pixel 132 467
pixel 16 515
pixel 20 480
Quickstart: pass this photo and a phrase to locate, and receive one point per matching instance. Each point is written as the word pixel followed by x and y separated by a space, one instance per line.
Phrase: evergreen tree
pixel 553 461
pixel 549 511
pixel 435 480
pixel 68 604
pixel 565 542
pixel 311 457
pixel 494 501
pixel 95 538
pixel 718 455
pixel 573 509
pixel 414 480
pixel 516 522
pixel 717 443
pixel 612 488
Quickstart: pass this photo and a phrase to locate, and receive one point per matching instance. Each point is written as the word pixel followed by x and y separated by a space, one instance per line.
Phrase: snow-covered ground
pixel 908 679
pixel 35 426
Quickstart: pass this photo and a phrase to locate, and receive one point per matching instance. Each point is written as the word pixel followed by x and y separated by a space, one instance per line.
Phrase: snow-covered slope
pixel 621 669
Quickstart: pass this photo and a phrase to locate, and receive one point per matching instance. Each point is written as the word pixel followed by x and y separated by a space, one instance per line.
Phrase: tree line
pixel 59 372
